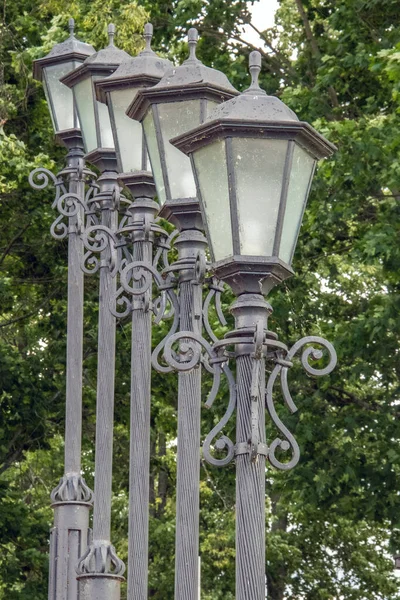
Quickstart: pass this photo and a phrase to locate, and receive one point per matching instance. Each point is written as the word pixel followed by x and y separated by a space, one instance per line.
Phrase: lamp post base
pixel 68 540
pixel 100 587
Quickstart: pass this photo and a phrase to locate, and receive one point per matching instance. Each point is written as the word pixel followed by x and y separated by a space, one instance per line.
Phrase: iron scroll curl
pixel 43 177
pixel 190 357
pixel 281 369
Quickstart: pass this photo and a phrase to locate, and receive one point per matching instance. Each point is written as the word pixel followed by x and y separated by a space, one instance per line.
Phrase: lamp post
pixel 100 570
pixel 118 91
pixel 183 97
pixel 253 161
pixel 71 499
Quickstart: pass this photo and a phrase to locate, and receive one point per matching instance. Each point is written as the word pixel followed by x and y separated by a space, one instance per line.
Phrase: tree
pixel 333 521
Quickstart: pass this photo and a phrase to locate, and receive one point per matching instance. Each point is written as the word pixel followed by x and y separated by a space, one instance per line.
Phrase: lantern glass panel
pixel 212 176
pixel 299 184
pixel 154 154
pixel 259 167
pixel 176 118
pixel 127 132
pixel 59 97
pixel 210 105
pixel 106 136
pixel 84 101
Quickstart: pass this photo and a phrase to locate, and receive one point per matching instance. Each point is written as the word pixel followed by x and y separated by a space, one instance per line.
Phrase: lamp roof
pixel 192 70
pixel 70 49
pixel 145 69
pixel 181 83
pixel 106 59
pixel 253 104
pixel 254 114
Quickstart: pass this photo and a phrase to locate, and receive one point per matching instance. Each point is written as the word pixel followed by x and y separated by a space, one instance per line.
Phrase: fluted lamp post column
pixel 183 97
pixel 117 91
pixel 71 499
pixel 100 570
pixel 253 161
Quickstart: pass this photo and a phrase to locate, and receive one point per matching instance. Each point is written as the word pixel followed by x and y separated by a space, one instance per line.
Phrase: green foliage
pixel 333 522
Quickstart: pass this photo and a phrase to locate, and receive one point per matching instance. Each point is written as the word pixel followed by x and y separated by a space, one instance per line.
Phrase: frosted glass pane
pixel 128 133
pixel 259 165
pixel 176 118
pixel 59 96
pixel 154 154
pixel 300 176
pixel 106 136
pixel 84 102
pixel 210 105
pixel 210 164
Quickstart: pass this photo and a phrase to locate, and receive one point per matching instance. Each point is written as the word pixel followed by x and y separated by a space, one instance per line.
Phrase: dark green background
pixel 333 522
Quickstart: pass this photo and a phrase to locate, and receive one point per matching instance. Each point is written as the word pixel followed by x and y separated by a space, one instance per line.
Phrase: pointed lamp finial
pixel 111 34
pixel 193 38
pixel 255 68
pixel 148 34
pixel 71 26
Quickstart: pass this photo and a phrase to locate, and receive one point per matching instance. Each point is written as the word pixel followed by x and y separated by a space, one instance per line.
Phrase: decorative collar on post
pixel 184 96
pixel 61 59
pixel 117 92
pixel 253 156
pixel 93 115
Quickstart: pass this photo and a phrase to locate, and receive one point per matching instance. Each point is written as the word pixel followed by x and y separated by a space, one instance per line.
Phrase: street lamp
pixel 118 91
pixel 93 115
pixel 71 499
pixel 50 69
pixel 138 237
pixel 99 568
pixel 253 162
pixel 183 98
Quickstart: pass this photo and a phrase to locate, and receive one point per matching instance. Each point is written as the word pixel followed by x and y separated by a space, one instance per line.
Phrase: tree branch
pixel 314 48
pixel 279 54
pixel 268 58
pixel 367 405
pixel 29 314
pixel 12 242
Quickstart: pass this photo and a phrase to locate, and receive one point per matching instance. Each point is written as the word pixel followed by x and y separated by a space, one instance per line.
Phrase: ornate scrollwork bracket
pixel 183 352
pixel 188 357
pixel 137 277
pixel 282 365
pixel 99 239
pixel 69 205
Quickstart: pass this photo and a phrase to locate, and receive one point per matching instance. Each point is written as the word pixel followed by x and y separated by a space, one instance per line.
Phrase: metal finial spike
pixel 254 68
pixel 148 34
pixel 193 38
pixel 111 34
pixel 71 26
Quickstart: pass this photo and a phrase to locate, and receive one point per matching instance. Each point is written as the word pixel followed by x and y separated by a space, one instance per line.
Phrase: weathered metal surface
pixel 99 569
pixel 251 344
pixel 188 317
pixel 139 455
pixel 71 498
pixel 188 451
